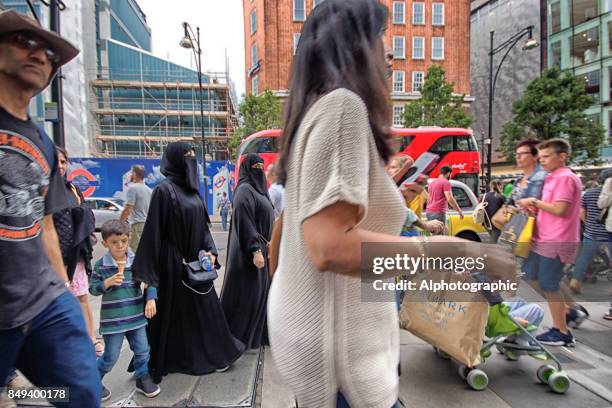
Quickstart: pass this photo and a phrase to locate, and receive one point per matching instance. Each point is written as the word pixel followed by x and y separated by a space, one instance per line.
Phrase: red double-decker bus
pixel 456 147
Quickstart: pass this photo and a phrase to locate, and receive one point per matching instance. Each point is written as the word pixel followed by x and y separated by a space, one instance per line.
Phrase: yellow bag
pixel 517 234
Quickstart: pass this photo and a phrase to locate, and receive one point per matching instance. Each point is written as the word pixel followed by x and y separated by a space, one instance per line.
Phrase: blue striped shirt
pixel 593 230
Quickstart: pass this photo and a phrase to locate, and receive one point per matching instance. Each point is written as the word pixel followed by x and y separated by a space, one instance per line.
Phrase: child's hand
pixel 115 280
pixel 150 309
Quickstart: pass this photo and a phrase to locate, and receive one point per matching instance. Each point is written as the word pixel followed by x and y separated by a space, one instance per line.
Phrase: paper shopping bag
pixel 456 327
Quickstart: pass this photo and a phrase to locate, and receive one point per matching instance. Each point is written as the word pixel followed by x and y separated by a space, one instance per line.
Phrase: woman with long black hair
pixel 189 333
pixel 246 284
pixel 331 347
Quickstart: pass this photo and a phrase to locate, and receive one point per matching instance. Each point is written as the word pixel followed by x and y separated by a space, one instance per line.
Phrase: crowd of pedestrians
pixel 335 186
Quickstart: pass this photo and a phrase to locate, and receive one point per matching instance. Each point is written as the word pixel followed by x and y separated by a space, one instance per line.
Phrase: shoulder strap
pixel 48 145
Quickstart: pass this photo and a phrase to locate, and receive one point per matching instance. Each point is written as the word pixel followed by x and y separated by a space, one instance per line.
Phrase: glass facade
pixel 129 24
pixel 580 42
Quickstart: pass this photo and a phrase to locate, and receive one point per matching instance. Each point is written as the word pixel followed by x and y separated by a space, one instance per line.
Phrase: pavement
pixel 426 381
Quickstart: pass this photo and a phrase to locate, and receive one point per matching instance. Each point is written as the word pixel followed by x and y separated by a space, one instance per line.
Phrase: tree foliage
pixel 256 113
pixel 437 106
pixel 553 106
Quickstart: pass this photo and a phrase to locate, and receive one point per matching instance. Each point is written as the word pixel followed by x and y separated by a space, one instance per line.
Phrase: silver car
pixel 105 209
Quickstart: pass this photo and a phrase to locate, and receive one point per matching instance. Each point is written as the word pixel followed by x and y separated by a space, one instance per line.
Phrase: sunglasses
pixel 27 42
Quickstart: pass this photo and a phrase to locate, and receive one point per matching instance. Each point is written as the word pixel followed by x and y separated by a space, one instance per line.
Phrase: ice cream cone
pixel 121 266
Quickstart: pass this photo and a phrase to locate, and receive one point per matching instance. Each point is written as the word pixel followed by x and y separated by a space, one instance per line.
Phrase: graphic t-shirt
pixel 29 190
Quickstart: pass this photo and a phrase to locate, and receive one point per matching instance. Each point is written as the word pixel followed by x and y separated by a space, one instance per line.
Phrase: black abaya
pixel 245 289
pixel 189 333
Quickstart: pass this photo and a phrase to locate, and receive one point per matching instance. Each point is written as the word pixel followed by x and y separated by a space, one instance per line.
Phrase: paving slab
pixel 233 388
pixel 275 393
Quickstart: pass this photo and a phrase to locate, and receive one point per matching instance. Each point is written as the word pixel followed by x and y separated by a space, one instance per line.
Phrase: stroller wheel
pixel 559 382
pixel 463 372
pixel 477 379
pixel 544 372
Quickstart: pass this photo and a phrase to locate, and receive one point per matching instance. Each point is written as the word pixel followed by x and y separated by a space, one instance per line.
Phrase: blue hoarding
pixel 109 177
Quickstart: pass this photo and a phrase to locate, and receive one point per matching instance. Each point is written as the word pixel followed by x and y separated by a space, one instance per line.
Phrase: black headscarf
pixel 179 168
pixel 255 177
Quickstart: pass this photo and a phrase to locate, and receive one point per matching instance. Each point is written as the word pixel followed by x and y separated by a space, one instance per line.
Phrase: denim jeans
pixel 137 339
pixel 224 219
pixel 531 312
pixel 588 250
pixel 54 350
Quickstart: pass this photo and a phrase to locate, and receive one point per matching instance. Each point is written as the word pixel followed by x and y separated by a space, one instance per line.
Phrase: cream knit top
pixel 324 338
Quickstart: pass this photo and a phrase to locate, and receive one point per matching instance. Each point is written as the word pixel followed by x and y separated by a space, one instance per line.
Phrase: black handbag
pixel 197 275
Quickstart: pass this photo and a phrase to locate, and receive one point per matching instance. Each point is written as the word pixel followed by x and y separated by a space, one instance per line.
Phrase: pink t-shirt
pixel 437 202
pixel 554 235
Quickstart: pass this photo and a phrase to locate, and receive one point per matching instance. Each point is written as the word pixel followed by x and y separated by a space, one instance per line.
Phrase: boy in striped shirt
pixel 124 312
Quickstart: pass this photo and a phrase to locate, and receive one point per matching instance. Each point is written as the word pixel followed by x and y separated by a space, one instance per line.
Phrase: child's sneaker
pixel 554 337
pixel 146 386
pixel 106 394
pixel 576 315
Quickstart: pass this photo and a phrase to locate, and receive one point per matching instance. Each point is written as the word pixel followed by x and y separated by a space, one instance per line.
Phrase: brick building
pixel 420 33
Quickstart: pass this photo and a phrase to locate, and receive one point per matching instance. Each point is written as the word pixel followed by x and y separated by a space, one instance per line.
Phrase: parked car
pixel 105 209
pixel 465 228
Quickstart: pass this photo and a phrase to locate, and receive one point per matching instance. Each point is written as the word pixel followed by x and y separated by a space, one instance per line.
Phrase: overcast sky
pixel 221 28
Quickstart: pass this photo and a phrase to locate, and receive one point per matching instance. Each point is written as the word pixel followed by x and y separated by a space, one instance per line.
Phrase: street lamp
pixel 191 41
pixel 530 44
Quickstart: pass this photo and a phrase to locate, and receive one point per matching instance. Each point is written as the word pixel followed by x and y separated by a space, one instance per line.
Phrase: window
pixel 299 10
pixel 462 198
pixel 315 3
pixel 260 145
pixel 405 141
pixel 591 83
pixel 418 48
pixel 584 10
pixel 399 48
pixel 437 15
pixel 399 12
pixel 253 21
pixel 437 48
pixel 417 81
pixel 555 17
pixel 296 40
pixel 398 81
pixel 555 54
pixel 418 13
pixel 442 146
pixel 255 85
pixel 398 115
pixel 608 6
pixel 465 144
pixel 609 27
pixel 254 55
pixel 585 47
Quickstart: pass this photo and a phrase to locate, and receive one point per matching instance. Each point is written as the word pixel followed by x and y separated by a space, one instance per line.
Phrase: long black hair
pixel 340 47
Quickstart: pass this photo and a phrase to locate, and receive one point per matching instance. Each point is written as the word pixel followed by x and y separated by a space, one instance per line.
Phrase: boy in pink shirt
pixel 557 235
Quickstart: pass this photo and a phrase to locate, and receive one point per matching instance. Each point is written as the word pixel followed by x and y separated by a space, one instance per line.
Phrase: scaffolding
pixel 138 118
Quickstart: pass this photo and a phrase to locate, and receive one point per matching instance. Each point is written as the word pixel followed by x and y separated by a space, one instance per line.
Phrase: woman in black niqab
pixel 189 333
pixel 245 288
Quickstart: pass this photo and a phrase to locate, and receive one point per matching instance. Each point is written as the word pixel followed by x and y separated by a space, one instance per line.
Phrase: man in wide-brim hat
pixel 42 330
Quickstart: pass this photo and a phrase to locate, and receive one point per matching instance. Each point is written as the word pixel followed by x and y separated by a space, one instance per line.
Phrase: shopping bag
pixel 455 327
pixel 517 233
pixel 501 216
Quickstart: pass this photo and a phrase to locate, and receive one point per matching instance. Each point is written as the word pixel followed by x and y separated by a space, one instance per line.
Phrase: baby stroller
pixel 500 331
